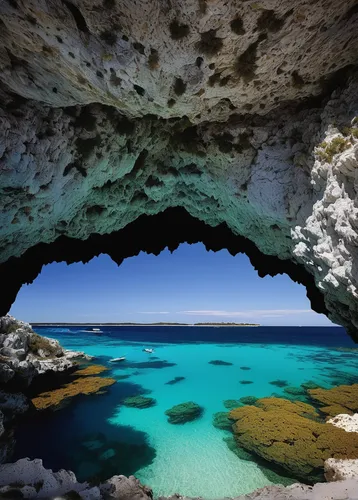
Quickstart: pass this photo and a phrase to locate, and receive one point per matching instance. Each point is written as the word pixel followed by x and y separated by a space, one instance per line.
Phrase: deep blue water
pixel 97 435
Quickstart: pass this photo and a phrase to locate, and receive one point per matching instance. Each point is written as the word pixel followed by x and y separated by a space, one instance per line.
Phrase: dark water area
pixel 334 336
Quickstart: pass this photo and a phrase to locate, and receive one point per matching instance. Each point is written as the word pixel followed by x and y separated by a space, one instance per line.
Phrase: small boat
pixel 148 350
pixel 96 330
pixel 115 360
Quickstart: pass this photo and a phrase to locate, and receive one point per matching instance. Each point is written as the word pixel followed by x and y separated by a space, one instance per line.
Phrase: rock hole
pixel 139 47
pixel 269 22
pixel 140 161
pixel 237 26
pixel 78 17
pixel 209 43
pixel 177 30
pixel 109 37
pixel 140 90
pixel 179 86
pixel 199 61
pixel 153 59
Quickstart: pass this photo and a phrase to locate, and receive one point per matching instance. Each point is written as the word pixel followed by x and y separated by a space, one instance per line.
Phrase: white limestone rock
pixel 125 488
pixel 25 355
pixel 341 490
pixel 37 481
pixel 347 422
pixel 34 481
pixel 337 470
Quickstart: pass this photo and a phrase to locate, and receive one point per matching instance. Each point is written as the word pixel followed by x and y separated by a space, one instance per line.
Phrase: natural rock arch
pixel 244 116
pixel 150 234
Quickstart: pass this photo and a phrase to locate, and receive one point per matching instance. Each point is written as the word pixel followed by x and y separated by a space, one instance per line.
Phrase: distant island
pixel 144 324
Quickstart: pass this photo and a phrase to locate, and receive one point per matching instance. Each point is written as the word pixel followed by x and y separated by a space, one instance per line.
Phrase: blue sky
pixel 189 285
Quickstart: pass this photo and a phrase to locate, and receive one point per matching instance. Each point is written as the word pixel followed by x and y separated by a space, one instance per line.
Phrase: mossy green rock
pixel 230 404
pixel 184 412
pixel 294 391
pixel 221 420
pixel 290 436
pixel 310 385
pixel 248 400
pixel 139 402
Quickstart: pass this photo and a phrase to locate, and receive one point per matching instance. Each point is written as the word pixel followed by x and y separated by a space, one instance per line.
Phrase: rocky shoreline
pixel 29 479
pixel 28 359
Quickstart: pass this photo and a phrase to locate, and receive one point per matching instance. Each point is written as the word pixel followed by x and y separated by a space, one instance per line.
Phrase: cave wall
pixel 243 115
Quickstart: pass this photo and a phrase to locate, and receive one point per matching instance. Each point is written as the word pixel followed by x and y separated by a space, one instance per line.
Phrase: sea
pixel 96 436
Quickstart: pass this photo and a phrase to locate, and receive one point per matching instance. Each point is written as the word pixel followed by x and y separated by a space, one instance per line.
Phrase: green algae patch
pixel 288 435
pixel 341 399
pixel 248 400
pixel 220 362
pixel 175 380
pixel 310 385
pixel 279 383
pixel 230 404
pixel 184 412
pixel 91 370
pixel 294 391
pixel 139 402
pixel 55 399
pixel 221 420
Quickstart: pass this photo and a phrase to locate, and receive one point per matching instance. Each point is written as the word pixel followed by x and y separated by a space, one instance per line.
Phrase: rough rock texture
pixel 341 399
pixel 34 481
pixel 24 354
pixel 337 470
pixel 347 422
pixel 184 412
pixel 207 107
pixel 342 490
pixel 289 435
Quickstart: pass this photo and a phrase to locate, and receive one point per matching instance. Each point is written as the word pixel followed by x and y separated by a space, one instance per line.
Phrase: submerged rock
pixel 310 385
pixel 220 362
pixel 279 383
pixel 184 412
pixel 230 404
pixel 341 399
pixel 139 402
pixel 91 370
pixel 294 391
pixel 222 420
pixel 248 400
pixel 289 435
pixel 175 380
pixel 56 398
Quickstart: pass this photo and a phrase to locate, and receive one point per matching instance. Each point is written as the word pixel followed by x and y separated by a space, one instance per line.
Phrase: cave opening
pixel 136 311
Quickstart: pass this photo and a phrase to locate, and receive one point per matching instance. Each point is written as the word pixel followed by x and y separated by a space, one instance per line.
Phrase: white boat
pixel 96 330
pixel 148 350
pixel 115 360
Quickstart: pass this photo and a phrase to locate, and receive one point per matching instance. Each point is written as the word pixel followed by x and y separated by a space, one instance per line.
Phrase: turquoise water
pixel 96 434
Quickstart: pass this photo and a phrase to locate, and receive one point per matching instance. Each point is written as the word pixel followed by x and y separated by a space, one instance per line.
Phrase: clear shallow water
pixel 193 458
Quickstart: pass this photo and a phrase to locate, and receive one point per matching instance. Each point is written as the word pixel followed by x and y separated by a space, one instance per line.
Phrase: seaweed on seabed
pixel 175 380
pixel 220 362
